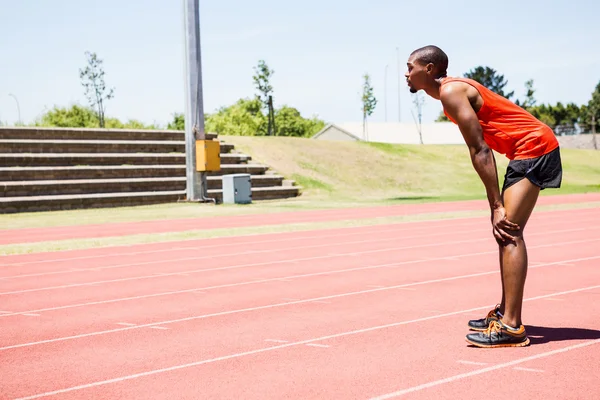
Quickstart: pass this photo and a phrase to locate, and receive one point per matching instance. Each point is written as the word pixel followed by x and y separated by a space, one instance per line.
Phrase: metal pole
pixel 398 57
pixel 194 111
pixel 18 107
pixel 385 90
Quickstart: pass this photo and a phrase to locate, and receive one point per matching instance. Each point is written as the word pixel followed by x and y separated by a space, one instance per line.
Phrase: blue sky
pixel 318 49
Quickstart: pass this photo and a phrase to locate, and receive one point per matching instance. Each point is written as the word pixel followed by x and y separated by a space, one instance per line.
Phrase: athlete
pixel 489 122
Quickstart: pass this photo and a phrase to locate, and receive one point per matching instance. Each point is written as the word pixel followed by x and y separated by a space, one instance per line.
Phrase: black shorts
pixel 544 171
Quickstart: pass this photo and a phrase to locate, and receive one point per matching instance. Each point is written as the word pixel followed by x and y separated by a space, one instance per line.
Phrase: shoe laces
pixel 494 327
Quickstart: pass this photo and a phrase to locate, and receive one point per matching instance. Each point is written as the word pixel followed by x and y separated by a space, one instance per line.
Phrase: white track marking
pixel 407 225
pixel 362 230
pixel 318 345
pixel 31 315
pixel 388 249
pixel 333 336
pixel 277 305
pixel 276 250
pixel 528 369
pixel 267 280
pixel 471 362
pixel 125 324
pixel 246 252
pixel 220 255
pixel 157 275
pixel 488 369
pixel 158 327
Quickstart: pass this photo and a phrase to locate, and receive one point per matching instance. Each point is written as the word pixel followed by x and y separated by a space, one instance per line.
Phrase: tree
pixel 529 99
pixel 489 78
pixel 74 117
pixel 92 79
pixel 244 118
pixel 262 81
pixel 291 123
pixel 591 110
pixel 369 102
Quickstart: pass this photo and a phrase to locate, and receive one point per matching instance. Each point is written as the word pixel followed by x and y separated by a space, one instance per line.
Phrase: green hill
pixel 377 172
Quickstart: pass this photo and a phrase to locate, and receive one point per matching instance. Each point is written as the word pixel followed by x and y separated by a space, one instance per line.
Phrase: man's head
pixel 425 65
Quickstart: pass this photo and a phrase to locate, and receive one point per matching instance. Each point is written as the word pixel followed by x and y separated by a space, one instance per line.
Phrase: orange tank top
pixel 508 128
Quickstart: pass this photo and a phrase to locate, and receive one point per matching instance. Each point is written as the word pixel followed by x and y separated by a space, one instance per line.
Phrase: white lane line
pixel 388 249
pixel 31 315
pixel 247 252
pixel 361 230
pixel 158 327
pixel 5 312
pixel 231 312
pixel 324 346
pixel 488 369
pixel 528 369
pixel 323 338
pixel 266 280
pixel 276 341
pixel 126 324
pixel 471 362
pixel 295 248
pixel 278 262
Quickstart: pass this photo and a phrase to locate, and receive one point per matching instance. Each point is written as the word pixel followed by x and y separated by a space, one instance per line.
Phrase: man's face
pixel 416 75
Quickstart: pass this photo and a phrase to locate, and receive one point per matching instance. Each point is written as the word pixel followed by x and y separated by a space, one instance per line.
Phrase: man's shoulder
pixel 454 87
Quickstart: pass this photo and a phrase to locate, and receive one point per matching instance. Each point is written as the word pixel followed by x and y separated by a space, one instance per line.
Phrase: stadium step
pixel 82 186
pixel 102 200
pixel 17 146
pixel 117 171
pixel 73 159
pixel 93 134
pixel 45 169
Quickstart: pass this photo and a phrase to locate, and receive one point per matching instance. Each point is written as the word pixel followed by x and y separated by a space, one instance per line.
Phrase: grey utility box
pixel 237 189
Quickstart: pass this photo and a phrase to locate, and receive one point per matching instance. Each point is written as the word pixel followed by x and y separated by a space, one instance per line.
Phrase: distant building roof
pixel 393 132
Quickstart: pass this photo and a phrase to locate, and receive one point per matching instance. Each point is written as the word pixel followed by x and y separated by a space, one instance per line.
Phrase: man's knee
pixel 517 238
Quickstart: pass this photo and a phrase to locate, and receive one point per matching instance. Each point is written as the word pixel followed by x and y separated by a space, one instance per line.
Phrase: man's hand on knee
pixel 502 226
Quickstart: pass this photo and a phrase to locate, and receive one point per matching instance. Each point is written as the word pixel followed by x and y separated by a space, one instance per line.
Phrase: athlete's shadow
pixel 541 334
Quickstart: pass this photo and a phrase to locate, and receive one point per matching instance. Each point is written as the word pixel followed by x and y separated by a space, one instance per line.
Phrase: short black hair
pixel 436 56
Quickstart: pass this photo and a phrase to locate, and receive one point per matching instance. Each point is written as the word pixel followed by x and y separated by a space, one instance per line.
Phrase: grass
pixel 338 174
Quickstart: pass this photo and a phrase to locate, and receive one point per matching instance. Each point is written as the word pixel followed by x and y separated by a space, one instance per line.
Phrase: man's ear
pixel 430 67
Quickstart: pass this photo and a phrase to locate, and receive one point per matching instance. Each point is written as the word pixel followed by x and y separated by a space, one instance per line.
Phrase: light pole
pixel 18 107
pixel 385 91
pixel 398 57
pixel 194 111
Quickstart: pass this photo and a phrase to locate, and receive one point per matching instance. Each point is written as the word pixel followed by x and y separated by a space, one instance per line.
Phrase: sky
pixel 319 51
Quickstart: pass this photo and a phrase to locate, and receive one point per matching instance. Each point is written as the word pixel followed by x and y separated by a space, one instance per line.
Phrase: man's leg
pixel 519 202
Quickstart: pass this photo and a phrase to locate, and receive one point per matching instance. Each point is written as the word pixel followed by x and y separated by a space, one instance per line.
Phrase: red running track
pixel 32 235
pixel 366 312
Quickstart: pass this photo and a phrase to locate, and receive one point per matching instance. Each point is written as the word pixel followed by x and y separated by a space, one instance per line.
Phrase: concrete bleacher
pixel 44 169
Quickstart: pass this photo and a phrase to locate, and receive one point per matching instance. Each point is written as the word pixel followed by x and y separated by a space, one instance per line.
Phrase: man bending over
pixel 489 122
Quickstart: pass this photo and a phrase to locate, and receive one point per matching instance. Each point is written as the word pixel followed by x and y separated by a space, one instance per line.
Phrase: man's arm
pixel 457 105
